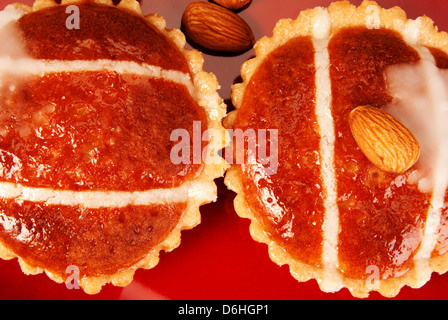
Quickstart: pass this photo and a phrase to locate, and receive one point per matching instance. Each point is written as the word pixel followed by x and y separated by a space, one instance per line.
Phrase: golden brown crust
pixel 206 86
pixel 342 14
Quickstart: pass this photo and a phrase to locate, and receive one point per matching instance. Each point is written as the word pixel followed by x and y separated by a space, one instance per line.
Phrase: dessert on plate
pixel 94 98
pixel 367 214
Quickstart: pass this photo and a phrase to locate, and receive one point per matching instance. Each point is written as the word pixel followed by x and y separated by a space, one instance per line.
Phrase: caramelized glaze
pixel 94 130
pixel 280 96
pixel 381 216
pixel 97 241
pixel 104 33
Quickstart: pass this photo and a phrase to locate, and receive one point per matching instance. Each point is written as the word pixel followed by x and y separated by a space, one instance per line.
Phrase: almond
pixel 216 28
pixel 233 4
pixel 385 141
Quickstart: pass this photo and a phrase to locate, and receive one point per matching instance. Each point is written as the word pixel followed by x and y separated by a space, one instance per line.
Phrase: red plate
pixel 218 259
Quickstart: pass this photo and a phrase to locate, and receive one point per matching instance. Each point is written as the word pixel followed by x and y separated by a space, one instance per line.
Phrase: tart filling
pixel 53 138
pixel 328 211
pixel 87 116
pixel 367 212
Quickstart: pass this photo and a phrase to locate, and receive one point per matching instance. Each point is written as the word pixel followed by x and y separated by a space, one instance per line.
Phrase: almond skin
pixel 216 28
pixel 385 141
pixel 233 4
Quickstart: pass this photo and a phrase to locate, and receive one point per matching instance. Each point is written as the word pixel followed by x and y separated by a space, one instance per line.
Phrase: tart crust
pixel 205 94
pixel 342 14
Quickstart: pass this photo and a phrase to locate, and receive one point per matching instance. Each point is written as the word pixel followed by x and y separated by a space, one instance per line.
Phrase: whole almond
pixel 385 141
pixel 233 4
pixel 216 28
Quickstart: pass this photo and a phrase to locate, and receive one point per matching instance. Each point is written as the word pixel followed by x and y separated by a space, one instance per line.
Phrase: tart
pixel 326 210
pixel 94 98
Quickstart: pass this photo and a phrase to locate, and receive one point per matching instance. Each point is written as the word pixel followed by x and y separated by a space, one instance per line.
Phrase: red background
pixel 218 259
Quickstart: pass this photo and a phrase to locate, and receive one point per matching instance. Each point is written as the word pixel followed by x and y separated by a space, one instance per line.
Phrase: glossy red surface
pixel 69 148
pixel 218 259
pixel 73 150
pixel 274 99
pixel 109 40
pixel 390 237
pixel 102 240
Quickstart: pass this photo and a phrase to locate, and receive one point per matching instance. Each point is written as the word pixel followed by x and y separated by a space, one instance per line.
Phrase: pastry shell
pixel 341 14
pixel 205 94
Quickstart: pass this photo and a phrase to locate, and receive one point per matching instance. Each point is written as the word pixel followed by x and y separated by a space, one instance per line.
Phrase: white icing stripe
pixel 22 64
pixel 321 30
pixel 438 101
pixel 109 199
pixel 40 67
pixel 437 97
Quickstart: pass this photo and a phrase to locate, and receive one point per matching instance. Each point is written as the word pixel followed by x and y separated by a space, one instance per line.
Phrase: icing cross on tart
pixel 329 212
pixel 86 114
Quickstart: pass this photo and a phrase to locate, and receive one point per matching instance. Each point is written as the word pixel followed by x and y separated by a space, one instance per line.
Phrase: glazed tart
pixel 94 98
pixel 326 210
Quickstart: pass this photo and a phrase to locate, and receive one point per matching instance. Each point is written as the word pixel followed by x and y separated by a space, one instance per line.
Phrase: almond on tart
pixel 329 212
